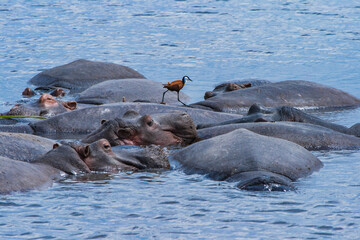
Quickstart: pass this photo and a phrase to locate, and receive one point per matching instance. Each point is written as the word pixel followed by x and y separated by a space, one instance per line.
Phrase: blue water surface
pixel 212 42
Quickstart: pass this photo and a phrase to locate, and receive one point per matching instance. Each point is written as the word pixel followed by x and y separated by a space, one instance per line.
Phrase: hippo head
pixel 46 105
pixel 28 92
pixel 74 158
pixel 98 156
pixel 226 87
pixel 66 158
pixel 165 129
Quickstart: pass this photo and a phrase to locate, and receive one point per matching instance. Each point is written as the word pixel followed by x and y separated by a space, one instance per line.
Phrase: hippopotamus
pixel 294 93
pixel 24 147
pixel 235 85
pixel 285 113
pixel 128 90
pixel 81 74
pixel 47 105
pixel 74 158
pixel 92 116
pixel 253 161
pixel 309 136
pixel 164 129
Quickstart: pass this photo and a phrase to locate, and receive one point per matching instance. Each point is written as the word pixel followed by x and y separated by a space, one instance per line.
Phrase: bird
pixel 176 86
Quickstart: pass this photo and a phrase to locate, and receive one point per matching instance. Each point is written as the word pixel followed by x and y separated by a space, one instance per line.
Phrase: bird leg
pixel 181 101
pixel 162 101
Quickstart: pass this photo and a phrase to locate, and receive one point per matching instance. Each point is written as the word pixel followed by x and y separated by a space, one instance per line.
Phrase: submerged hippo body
pixel 148 157
pixel 164 129
pixel 92 116
pixel 297 93
pixel 47 105
pixel 41 173
pixel 128 90
pixel 309 136
pixel 81 74
pixel 285 113
pixel 248 158
pixel 235 85
pixel 18 176
pixel 24 147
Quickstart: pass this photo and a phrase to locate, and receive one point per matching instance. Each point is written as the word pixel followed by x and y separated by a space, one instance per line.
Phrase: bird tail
pixel 166 85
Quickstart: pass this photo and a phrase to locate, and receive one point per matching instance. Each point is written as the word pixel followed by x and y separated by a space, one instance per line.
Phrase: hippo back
pixel 244 151
pixel 22 176
pixel 128 90
pixel 311 137
pixel 92 116
pixel 82 74
pixel 23 147
pixel 295 93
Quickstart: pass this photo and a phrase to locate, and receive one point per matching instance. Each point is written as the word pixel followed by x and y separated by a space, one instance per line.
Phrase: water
pixel 211 41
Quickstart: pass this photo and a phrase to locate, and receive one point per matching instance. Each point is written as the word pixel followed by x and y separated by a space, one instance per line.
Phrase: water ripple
pixel 212 41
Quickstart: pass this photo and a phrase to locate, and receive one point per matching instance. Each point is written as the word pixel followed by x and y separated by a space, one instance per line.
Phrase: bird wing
pixel 174 86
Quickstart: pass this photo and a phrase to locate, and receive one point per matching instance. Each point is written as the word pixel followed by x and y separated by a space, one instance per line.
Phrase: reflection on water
pixel 212 42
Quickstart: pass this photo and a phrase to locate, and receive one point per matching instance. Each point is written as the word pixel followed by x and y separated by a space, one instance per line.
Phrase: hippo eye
pixel 150 123
pixel 106 146
pixel 44 112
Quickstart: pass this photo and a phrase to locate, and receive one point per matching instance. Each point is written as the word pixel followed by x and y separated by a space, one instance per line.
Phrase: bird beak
pixel 190 79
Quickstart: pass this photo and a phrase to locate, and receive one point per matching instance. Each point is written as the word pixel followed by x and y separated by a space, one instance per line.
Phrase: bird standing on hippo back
pixel 176 86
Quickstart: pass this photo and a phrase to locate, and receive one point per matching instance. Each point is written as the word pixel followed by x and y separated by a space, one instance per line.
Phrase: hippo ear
pixel 58 92
pixel 131 114
pixel 28 92
pixel 71 105
pixel 209 95
pixel 56 145
pixel 87 151
pixel 255 108
pixel 103 121
pixel 84 151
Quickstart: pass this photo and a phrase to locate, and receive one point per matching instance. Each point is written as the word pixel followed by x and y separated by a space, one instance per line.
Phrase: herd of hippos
pixel 255 133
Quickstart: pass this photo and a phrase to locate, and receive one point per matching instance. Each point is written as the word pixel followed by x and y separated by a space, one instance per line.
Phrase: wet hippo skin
pixel 47 105
pixel 129 90
pixel 295 93
pixel 81 74
pixel 249 159
pixel 165 129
